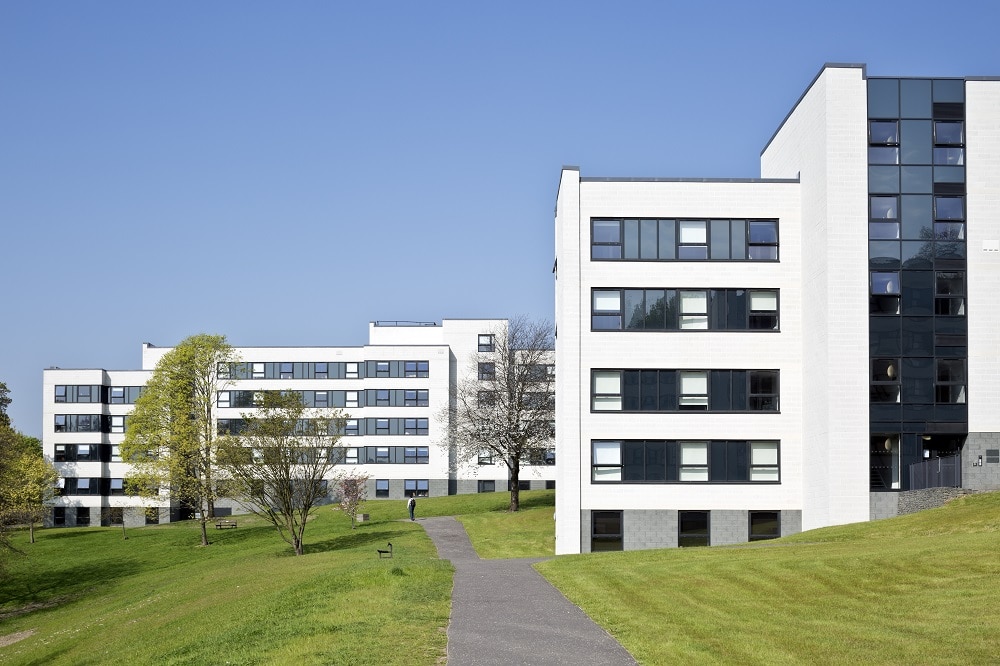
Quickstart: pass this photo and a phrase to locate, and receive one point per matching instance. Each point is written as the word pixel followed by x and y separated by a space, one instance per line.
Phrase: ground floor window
pixel 416 487
pixel 606 531
pixel 487 486
pixel 381 487
pixel 550 485
pixel 692 528
pixel 521 485
pixel 82 517
pixel 152 516
pixel 116 515
pixel 59 516
pixel 764 525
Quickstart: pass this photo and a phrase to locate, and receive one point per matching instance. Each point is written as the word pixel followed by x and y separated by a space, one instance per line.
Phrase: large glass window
pixel 763 310
pixel 416 487
pixel 764 525
pixel 684 309
pixel 606 532
pixel 684 240
pixel 381 487
pixel 693 528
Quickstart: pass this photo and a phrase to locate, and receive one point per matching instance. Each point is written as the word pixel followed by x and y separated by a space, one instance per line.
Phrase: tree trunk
pixel 515 489
pixel 124 534
pixel 31 531
pixel 297 545
pixel 204 532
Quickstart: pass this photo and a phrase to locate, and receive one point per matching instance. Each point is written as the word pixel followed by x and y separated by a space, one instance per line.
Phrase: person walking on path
pixel 411 506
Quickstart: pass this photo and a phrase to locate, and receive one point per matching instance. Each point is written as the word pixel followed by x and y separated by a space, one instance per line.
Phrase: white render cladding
pixel 630 251
pixel 397 388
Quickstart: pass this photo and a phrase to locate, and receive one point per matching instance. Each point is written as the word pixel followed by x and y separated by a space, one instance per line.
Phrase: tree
pixel 4 402
pixel 171 436
pixel 33 486
pixel 277 467
pixel 353 489
pixel 507 405
pixel 27 481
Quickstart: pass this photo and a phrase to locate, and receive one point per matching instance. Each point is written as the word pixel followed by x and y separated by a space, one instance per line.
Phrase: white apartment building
pixel 394 390
pixel 741 359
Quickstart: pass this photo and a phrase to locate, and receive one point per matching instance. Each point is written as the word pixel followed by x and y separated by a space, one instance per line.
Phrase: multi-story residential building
pixel 741 359
pixel 395 392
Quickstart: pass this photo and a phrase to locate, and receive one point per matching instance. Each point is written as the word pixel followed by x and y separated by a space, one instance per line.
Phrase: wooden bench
pixel 223 524
pixel 385 553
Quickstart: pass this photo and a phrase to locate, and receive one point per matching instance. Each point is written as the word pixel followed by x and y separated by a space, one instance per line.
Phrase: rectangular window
pixel 381 426
pixel 116 395
pixel 416 487
pixel 415 426
pixel 486 342
pixel 685 240
pixel 607 390
pixel 285 371
pixel 223 399
pixel 117 487
pixel 321 399
pixel 693 528
pixel 381 368
pixel 486 486
pixel 485 457
pixel 351 370
pixel 487 371
pixel 693 461
pixel 606 533
pixel 351 428
pixel 607 310
pixel 764 525
pixel 694 310
pixel 416 455
pixel 763 310
pixel 763 390
pixel 415 398
pixel 693 391
pixel 607 461
pixel 382 397
pixel 117 424
pixel 381 487
pixel 763 240
pixel 321 370
pixel 382 454
pixel 351 456
pixel 764 461
pixel 351 398
pixel 949 293
pixel 949 388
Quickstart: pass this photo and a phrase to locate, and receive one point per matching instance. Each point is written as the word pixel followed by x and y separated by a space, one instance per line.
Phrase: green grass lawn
pixel 919 589
pixel 913 590
pixel 159 598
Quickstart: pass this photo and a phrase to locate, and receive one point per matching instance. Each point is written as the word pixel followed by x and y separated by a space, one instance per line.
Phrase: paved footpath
pixel 503 612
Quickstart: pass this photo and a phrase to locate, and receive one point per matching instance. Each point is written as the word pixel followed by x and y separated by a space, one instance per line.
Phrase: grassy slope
pixel 917 589
pixel 160 598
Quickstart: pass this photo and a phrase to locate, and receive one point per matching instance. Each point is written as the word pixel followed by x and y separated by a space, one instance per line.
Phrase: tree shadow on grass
pixel 65 584
pixel 357 539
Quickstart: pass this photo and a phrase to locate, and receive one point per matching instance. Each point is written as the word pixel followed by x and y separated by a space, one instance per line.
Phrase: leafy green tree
pixel 278 466
pixel 4 403
pixel 507 407
pixel 33 485
pixel 171 436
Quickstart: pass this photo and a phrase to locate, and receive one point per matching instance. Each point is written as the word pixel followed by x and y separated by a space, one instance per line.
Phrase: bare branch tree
pixel 277 467
pixel 506 405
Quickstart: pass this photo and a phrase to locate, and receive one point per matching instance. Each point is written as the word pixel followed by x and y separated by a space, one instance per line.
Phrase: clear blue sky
pixel 284 173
